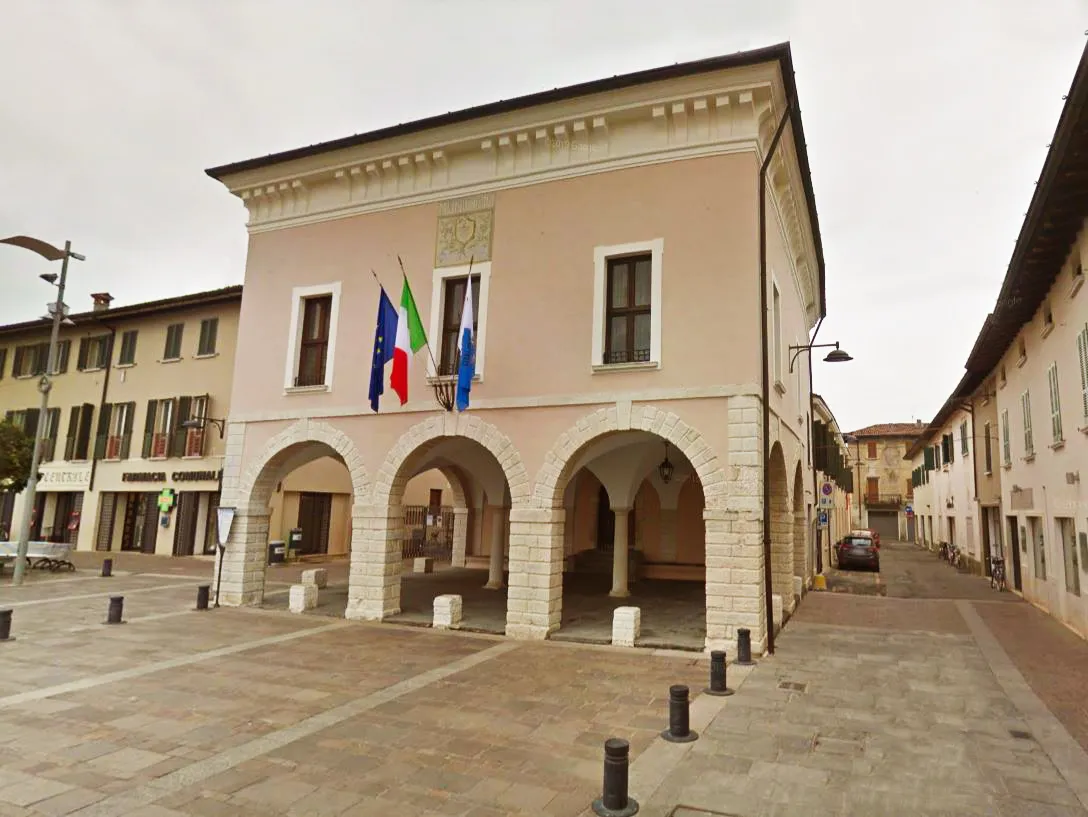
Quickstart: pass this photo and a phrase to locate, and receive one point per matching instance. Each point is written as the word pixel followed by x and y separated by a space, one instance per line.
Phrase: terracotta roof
pixel 207 298
pixel 890 430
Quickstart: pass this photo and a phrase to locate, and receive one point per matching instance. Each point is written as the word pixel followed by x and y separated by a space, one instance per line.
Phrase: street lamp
pixel 836 356
pixel 221 425
pixel 58 314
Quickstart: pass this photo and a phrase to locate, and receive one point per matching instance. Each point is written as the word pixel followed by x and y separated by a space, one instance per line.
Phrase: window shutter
pixel 105 351
pixel 103 430
pixel 64 351
pixel 1082 356
pixel 30 426
pixel 70 440
pixel 927 457
pixel 3 362
pixel 149 428
pixel 177 439
pixel 126 432
pixel 53 424
pixel 81 356
pixel 83 439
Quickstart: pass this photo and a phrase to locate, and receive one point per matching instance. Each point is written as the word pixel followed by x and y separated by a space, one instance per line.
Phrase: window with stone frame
pixel 628 309
pixel 453 304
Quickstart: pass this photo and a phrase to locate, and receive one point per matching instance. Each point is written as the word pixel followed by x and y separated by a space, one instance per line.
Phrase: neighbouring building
pixel 1026 381
pixel 884 488
pixel 612 231
pixel 119 470
pixel 832 459
pixel 942 462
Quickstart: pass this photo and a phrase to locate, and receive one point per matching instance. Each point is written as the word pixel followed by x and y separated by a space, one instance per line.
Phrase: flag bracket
pixel 445 392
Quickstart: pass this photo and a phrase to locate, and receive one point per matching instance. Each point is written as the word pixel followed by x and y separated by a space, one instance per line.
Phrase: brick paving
pixel 244 712
pixel 1052 659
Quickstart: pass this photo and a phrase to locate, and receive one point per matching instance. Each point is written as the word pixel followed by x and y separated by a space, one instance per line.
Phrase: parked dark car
pixel 859 551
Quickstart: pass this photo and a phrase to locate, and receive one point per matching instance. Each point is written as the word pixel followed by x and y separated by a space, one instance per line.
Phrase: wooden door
pixel 314 513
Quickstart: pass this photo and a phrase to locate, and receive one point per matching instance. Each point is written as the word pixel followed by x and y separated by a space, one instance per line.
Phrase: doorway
pixel 140 527
pixel 185 523
pixel 1014 552
pixel 314 514
pixel 1067 531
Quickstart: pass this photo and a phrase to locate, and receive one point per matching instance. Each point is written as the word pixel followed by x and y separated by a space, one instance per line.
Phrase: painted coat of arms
pixel 462 236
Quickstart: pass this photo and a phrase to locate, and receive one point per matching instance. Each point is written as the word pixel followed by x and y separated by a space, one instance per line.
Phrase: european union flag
pixel 385 338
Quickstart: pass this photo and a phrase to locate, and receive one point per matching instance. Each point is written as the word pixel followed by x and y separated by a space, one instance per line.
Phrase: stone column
pixel 374 577
pixel 498 548
pixel 244 561
pixel 534 604
pixel 478 529
pixel 460 536
pixel 619 555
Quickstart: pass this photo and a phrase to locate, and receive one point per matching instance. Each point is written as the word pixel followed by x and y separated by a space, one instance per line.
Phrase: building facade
pixel 119 471
pixel 834 482
pixel 884 488
pixel 942 462
pixel 1026 381
pixel 612 233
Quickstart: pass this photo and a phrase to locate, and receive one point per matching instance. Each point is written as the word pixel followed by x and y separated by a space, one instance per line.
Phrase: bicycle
pixel 997 574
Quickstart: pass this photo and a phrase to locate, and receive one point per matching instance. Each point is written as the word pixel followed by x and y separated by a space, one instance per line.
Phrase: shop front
pixel 58 505
pixel 167 511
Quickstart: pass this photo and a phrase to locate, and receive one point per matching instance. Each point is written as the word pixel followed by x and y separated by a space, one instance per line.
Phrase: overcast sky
pixel 927 125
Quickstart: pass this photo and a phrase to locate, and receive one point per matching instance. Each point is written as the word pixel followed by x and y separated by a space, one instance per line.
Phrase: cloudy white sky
pixel 927 125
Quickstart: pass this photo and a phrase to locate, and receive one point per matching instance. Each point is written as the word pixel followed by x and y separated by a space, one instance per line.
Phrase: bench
pixel 52 556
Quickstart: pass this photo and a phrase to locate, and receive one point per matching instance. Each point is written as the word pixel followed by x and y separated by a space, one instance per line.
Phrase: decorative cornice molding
pixel 730 112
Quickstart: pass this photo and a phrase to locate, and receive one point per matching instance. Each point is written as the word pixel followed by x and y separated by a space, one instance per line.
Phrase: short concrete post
pixel 202 593
pixel 318 577
pixel 777 610
pixel 717 675
pixel 626 626
pixel 614 801
pixel 744 648
pixel 423 564
pixel 5 625
pixel 107 568
pixel 679 730
pixel 303 597
pixel 115 610
pixel 447 612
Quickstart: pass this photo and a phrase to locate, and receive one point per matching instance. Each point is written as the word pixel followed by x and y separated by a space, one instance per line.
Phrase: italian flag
pixel 410 339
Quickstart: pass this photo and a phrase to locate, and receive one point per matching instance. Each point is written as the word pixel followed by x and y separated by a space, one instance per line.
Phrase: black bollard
pixel 117 606
pixel 679 730
pixel 5 625
pixel 614 801
pixel 202 594
pixel 717 675
pixel 107 568
pixel 744 648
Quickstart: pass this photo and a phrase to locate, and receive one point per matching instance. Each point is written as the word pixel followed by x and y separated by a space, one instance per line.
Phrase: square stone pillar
pixel 374 577
pixel 244 561
pixel 535 597
pixel 460 536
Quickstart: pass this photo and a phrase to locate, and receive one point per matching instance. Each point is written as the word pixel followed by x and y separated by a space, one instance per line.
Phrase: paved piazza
pixel 872 705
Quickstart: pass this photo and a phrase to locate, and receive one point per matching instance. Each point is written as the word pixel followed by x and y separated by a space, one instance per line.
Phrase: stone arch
pixel 801 551
pixel 416 440
pixel 554 474
pixel 246 554
pixel 288 449
pixel 374 583
pixel 781 527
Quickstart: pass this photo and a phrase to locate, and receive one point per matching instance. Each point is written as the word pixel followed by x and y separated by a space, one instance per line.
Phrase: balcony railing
pixel 892 501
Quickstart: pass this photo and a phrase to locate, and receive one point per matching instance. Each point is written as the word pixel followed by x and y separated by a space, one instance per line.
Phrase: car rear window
pixel 858 540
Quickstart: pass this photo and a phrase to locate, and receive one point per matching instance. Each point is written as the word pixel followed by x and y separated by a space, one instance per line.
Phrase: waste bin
pixel 294 545
pixel 277 551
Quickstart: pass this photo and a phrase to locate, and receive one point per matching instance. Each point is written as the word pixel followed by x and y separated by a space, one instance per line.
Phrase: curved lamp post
pixel 58 315
pixel 837 355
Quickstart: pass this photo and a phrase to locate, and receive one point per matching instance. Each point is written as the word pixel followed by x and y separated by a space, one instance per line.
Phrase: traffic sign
pixel 827 501
pixel 823 519
pixel 827 489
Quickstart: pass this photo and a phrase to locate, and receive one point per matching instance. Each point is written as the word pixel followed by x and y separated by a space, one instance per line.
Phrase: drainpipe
pixel 765 374
pixel 812 456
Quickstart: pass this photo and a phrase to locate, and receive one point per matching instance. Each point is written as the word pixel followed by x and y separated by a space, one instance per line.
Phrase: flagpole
pixel 427 342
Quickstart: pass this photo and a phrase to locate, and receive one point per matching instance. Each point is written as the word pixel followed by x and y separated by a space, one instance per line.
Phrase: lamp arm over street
pixel 51 253
pixel 838 356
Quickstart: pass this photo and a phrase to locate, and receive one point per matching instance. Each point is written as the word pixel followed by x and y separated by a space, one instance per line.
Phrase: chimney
pixel 101 301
